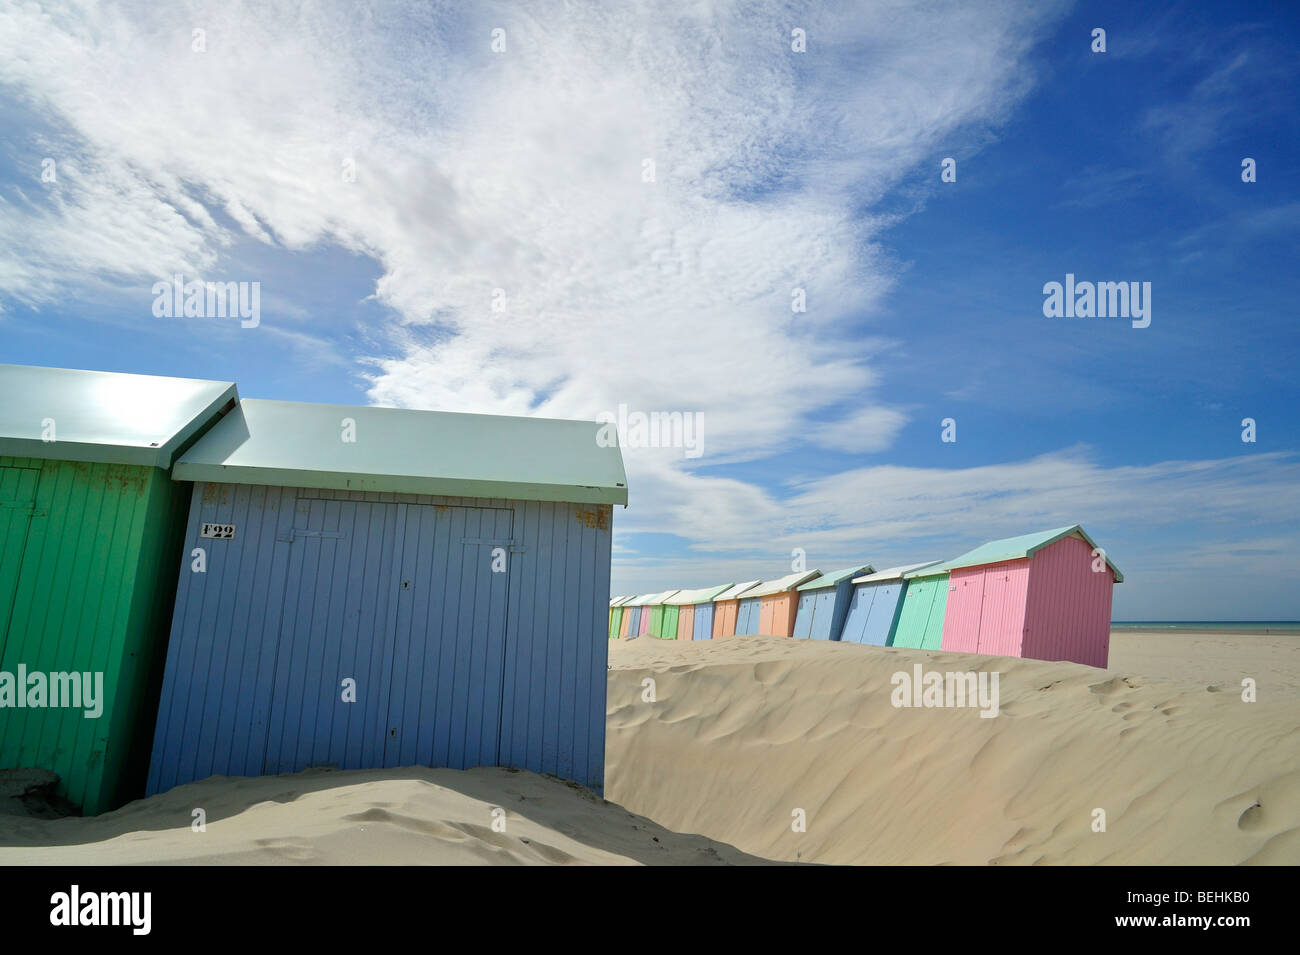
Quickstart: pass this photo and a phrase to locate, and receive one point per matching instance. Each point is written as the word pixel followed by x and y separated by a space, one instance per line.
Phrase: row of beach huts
pixel 1045 595
pixel 193 583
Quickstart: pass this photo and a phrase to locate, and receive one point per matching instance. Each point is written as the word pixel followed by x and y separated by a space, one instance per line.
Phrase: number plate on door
pixel 225 532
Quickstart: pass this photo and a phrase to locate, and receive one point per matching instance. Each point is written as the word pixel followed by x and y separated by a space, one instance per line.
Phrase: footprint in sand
pixel 1252 818
pixel 770 672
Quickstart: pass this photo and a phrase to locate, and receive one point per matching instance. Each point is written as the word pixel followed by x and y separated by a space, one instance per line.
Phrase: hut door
pixel 936 592
pixel 855 626
pixel 885 607
pixel 965 607
pixel 803 620
pixel 337 615
pixel 748 616
pixel 823 613
pixel 1002 618
pixel 448 660
pixel 17 504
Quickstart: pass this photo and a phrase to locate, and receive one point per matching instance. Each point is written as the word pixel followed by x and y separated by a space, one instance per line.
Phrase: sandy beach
pixel 409 816
pixel 1185 771
pixel 744 732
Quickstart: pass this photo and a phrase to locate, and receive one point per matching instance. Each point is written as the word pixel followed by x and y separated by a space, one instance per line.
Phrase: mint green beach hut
pixel 920 622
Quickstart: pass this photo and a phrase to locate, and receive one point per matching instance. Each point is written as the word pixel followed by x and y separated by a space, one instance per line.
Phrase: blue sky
pixel 523 169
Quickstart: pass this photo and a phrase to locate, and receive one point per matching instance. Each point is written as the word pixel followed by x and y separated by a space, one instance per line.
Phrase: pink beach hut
pixel 645 614
pixel 1045 596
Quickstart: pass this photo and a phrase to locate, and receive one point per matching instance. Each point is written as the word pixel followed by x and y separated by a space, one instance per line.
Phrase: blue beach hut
pixel 367 588
pixel 824 603
pixel 875 604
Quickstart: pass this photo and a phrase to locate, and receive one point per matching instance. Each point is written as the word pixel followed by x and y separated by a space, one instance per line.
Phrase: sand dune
pixel 748 729
pixel 398 817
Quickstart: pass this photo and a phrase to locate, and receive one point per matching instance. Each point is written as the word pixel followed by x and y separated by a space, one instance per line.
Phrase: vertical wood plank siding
pixel 724 617
pixel 874 613
pixel 748 614
pixel 455 665
pixel 920 624
pixel 821 613
pixel 986 608
pixel 803 620
pixel 86 578
pixel 1068 609
pixel 686 622
pixel 704 621
pixel 1051 606
pixel 668 616
pixel 776 614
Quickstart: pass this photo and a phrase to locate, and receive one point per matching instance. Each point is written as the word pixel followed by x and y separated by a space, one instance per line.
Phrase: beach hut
pixel 823 603
pixel 631 625
pixel 387 588
pixel 747 614
pixel 684 606
pixel 920 619
pixel 770 607
pixel 1045 596
pixel 726 608
pixel 615 616
pixel 695 612
pixel 640 616
pixel 704 611
pixel 644 620
pixel 90 535
pixel 629 605
pixel 628 626
pixel 659 616
pixel 876 605
pixel 686 622
pixel 671 616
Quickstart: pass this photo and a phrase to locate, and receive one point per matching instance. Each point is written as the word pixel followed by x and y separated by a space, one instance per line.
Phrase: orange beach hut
pixel 695 612
pixel 779 603
pixel 725 607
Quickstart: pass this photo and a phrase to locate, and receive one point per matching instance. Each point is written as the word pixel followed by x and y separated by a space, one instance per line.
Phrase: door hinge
pixel 298 533
pixel 513 546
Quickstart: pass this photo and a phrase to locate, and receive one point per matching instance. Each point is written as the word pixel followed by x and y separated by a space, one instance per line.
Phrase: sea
pixel 1238 626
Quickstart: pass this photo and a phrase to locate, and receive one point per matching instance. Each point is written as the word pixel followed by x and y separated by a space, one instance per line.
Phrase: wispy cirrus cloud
pixel 524 171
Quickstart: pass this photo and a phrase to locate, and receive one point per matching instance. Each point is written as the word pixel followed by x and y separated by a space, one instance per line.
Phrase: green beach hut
pixel 920 622
pixel 91 529
pixel 668 622
pixel 659 616
pixel 616 615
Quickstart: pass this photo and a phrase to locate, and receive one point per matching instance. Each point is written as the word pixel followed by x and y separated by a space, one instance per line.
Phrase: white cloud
pixel 523 171
pixel 866 429
pixel 903 509
pixel 1168 525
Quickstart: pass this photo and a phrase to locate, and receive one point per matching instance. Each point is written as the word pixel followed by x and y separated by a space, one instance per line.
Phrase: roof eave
pixel 830 580
pixel 85 451
pixel 398 484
